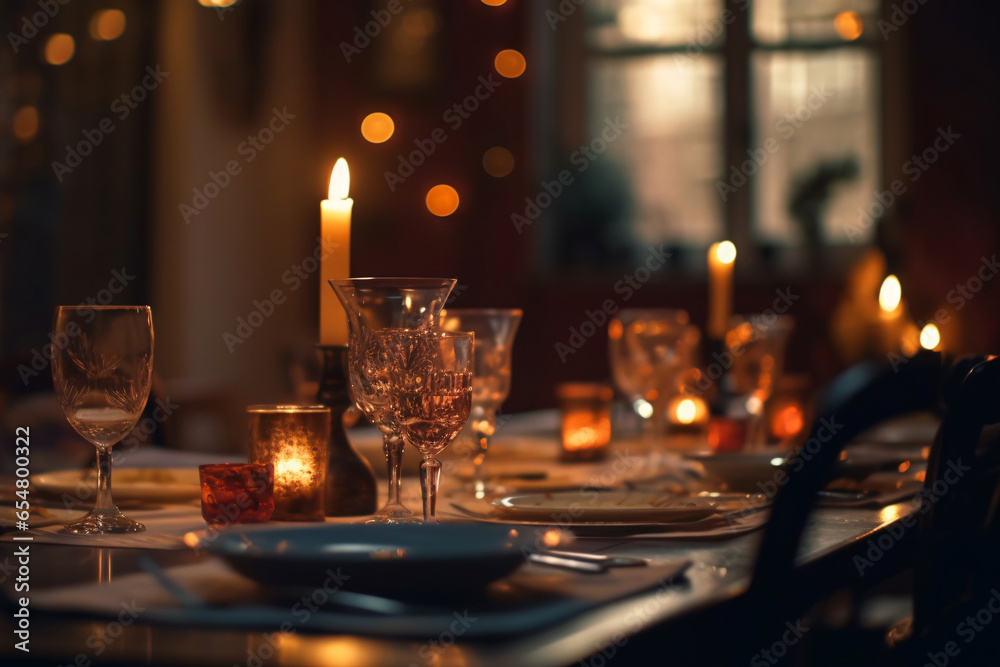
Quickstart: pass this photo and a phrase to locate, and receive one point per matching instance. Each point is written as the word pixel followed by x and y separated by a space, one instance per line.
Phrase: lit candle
pixel 688 410
pixel 336 239
pixel 894 326
pixel 720 287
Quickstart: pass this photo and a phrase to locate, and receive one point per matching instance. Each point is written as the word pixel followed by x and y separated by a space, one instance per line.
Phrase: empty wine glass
pixel 495 329
pixel 373 305
pixel 102 370
pixel 757 346
pixel 430 377
pixel 649 349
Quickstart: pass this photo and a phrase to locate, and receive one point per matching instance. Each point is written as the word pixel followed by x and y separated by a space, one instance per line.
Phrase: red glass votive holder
pixel 236 492
pixel 726 434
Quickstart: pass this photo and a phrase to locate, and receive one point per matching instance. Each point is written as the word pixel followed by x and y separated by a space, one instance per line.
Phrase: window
pixel 749 120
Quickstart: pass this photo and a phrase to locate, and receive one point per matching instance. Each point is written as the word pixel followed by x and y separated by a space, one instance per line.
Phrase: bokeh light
pixel 377 127
pixel 26 123
pixel 498 161
pixel 442 200
pixel 107 24
pixel 59 49
pixel 890 294
pixel 726 252
pixel 494 3
pixel 848 25
pixel 510 63
pixel 930 337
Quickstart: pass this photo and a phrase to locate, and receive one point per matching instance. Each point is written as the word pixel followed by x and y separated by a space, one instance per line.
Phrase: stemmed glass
pixel 374 305
pixel 758 352
pixel 102 371
pixel 495 329
pixel 431 388
pixel 649 349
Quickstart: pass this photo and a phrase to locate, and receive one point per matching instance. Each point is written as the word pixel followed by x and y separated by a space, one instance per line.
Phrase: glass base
pixel 101 522
pixel 393 514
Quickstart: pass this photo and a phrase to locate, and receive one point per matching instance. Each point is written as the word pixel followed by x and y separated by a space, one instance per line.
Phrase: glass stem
pixel 484 426
pixel 103 501
pixel 393 447
pixel 430 477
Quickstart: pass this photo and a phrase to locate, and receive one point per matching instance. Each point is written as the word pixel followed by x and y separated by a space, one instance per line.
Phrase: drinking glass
pixel 757 346
pixel 650 348
pixel 373 305
pixel 495 329
pixel 430 377
pixel 102 370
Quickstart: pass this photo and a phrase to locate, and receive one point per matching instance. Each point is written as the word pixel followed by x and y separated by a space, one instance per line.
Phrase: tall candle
pixel 336 265
pixel 721 257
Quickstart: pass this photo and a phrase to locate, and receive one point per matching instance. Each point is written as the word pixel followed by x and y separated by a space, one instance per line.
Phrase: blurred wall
pixel 233 248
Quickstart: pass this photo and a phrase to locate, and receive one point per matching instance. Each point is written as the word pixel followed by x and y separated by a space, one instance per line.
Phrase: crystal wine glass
pixel 495 329
pixel 757 346
pixel 372 305
pixel 430 377
pixel 649 349
pixel 102 372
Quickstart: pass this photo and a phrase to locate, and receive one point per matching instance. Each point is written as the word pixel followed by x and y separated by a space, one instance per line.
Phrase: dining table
pixel 165 597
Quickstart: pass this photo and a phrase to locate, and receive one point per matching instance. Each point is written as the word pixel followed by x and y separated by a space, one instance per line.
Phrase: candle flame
pixel 340 180
pixel 686 411
pixel 930 337
pixel 890 294
pixel 726 252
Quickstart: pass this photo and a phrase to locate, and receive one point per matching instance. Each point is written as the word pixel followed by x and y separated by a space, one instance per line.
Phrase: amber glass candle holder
pixel 236 492
pixel 294 439
pixel 586 420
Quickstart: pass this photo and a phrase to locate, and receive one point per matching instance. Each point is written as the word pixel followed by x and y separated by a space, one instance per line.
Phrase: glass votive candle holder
pixel 295 440
pixel 585 408
pixel 726 434
pixel 236 492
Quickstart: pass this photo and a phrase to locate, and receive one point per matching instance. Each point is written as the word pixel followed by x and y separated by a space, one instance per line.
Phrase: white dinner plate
pixel 161 485
pixel 400 561
pixel 609 506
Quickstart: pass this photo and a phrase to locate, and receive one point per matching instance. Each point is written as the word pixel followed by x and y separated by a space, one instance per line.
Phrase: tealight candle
pixel 294 439
pixel 586 420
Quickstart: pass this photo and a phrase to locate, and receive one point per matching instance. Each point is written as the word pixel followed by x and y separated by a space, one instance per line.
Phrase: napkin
pixel 531 598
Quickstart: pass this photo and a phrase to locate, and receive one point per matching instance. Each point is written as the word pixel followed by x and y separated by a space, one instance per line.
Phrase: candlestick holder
pixel 350 481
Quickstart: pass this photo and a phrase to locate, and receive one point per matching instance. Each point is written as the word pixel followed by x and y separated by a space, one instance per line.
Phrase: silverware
pixel 583 562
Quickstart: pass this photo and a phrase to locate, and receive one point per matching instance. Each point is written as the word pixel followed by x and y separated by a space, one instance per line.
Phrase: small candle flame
pixel 340 180
pixel 890 294
pixel 686 411
pixel 930 337
pixel 726 252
